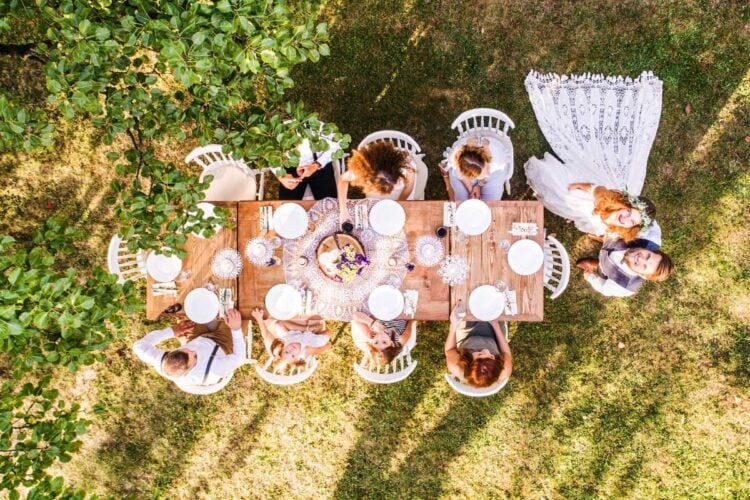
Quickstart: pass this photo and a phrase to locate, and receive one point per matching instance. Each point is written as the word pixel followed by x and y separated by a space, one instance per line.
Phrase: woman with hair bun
pixel 476 167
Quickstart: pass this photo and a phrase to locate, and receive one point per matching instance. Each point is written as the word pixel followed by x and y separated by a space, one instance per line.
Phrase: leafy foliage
pixel 160 71
pixel 49 316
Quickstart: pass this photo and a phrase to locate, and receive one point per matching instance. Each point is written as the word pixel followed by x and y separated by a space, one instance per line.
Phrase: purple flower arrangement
pixel 349 264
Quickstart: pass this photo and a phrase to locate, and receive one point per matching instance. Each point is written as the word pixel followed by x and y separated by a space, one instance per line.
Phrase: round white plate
pixel 486 303
pixel 387 217
pixel 163 268
pixel 208 211
pixel 290 221
pixel 283 301
pixel 473 217
pixel 386 302
pixel 525 257
pixel 201 306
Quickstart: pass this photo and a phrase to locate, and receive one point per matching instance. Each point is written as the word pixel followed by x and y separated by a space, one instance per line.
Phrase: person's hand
pixel 258 314
pixel 458 313
pixel 307 170
pixel 233 320
pixel 183 328
pixel 476 192
pixel 289 181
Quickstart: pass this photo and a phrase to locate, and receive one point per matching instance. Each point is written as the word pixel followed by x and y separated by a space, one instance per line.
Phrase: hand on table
pixel 289 181
pixel 182 328
pixel 233 320
pixel 258 313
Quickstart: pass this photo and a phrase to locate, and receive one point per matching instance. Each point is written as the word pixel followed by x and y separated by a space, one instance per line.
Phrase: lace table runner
pixel 332 299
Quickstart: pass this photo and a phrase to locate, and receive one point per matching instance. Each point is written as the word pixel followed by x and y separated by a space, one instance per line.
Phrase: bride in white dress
pixel 602 129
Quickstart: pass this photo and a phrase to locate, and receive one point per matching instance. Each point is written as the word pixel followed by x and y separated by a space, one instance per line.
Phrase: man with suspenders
pixel 205 358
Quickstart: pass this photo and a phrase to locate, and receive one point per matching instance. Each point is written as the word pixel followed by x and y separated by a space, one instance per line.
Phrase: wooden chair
pixel 477 392
pixel 484 122
pixel 232 179
pixel 404 141
pixel 397 370
pixel 126 265
pixel 556 267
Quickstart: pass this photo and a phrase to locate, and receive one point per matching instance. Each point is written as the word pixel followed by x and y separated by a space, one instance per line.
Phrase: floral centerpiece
pixel 343 262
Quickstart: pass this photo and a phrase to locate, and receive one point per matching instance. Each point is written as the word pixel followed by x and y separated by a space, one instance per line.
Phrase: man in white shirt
pixel 623 267
pixel 314 170
pixel 205 358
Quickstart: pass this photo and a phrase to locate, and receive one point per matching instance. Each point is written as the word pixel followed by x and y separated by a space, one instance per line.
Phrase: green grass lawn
pixel 646 397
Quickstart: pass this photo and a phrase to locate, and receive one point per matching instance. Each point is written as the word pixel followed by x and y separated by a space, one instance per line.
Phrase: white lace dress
pixel 602 129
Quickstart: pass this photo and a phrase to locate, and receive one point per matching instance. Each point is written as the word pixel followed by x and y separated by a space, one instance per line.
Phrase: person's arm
pixel 315 351
pixel 409 182
pixel 342 190
pixel 268 337
pixel 606 287
pixel 146 349
pixel 408 331
pixel 502 343
pixel 451 351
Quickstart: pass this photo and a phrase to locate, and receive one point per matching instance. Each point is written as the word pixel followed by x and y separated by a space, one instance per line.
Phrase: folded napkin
pixel 524 229
pixel 511 305
pixel 411 299
pixel 449 214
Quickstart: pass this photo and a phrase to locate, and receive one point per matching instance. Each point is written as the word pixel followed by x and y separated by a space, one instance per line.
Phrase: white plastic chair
pixel 272 376
pixel 556 267
pixel 404 141
pixel 397 370
pixel 126 265
pixel 487 121
pixel 477 392
pixel 232 180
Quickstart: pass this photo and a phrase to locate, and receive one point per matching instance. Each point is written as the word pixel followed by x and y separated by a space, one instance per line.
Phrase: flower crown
pixel 640 205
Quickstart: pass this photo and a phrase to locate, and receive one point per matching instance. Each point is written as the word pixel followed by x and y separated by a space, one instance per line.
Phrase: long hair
pixel 664 269
pixel 382 358
pixel 607 202
pixel 471 160
pixel 378 167
pixel 480 372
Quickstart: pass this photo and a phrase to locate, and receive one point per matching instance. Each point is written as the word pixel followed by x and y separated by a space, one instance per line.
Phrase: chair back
pixel 474 392
pixel 404 141
pixel 482 119
pixel 122 262
pixel 294 376
pixel 397 370
pixel 556 267
pixel 232 179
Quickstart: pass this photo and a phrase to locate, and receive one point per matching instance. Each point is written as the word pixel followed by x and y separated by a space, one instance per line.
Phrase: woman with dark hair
pixel 477 352
pixel 380 170
pixel 381 341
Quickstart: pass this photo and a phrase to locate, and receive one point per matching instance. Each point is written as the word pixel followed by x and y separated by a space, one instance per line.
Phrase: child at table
pixel 292 343
pixel 381 341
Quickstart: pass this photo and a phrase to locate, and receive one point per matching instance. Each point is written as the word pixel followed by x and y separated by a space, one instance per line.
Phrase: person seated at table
pixel 475 168
pixel 207 354
pixel 314 170
pixel 382 171
pixel 476 352
pixel 381 341
pixel 623 267
pixel 292 343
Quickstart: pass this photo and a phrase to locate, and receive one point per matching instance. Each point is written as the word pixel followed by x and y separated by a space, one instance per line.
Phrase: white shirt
pixel 607 287
pixel 324 157
pixel 223 364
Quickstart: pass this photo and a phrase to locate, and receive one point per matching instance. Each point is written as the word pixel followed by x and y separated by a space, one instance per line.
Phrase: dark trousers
pixel 322 184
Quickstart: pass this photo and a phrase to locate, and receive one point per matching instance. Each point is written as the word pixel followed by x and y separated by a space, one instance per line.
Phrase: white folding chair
pixel 488 121
pixel 477 392
pixel 122 262
pixel 232 179
pixel 397 370
pixel 404 141
pixel 556 267
pixel 272 376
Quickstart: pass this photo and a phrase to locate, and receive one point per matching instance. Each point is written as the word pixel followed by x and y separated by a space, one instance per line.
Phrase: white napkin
pixel 524 229
pixel 511 305
pixel 449 214
pixel 411 299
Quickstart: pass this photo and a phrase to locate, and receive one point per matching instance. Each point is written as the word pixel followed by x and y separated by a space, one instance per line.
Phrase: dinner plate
pixel 525 257
pixel 283 301
pixel 201 306
pixel 290 221
pixel 473 217
pixel 387 217
pixel 386 302
pixel 486 303
pixel 162 267
pixel 208 211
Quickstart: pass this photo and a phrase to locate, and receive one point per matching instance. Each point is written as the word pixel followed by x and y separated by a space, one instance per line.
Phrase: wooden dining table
pixel 487 261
